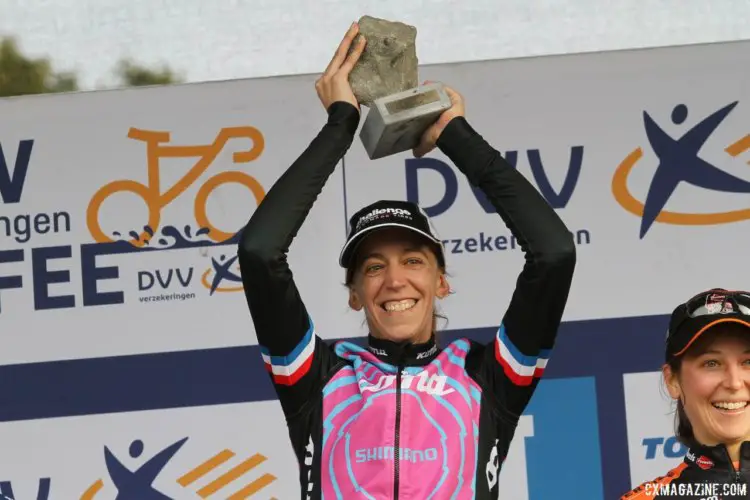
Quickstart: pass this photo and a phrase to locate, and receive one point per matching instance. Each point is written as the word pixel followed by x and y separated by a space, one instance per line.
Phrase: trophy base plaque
pixel 396 123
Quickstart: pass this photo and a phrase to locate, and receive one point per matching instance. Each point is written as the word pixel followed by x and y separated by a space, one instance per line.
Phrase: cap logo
pixel 718 304
pixel 380 213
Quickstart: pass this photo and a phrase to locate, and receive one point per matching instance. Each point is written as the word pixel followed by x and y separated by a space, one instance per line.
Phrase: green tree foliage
pixel 134 75
pixel 23 75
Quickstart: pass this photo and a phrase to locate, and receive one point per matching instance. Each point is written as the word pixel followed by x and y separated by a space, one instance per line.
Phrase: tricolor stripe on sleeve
pixel 287 370
pixel 519 368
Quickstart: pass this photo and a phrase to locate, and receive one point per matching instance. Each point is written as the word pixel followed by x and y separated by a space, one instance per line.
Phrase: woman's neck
pixel 733 449
pixel 405 352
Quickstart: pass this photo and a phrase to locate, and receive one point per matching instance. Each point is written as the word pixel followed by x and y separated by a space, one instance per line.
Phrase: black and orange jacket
pixel 706 472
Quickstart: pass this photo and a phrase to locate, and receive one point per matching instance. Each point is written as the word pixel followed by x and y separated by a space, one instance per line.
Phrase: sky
pixel 226 39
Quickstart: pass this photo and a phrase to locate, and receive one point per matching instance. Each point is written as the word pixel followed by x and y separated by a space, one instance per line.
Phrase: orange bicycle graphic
pixel 155 200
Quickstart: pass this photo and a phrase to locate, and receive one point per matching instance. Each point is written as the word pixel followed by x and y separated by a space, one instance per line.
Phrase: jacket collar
pixel 717 457
pixel 403 353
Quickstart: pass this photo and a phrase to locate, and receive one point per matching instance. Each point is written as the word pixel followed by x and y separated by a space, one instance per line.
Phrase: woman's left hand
pixel 432 134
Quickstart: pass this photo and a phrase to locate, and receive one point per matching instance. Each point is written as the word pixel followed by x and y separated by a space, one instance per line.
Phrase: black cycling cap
pixel 705 310
pixel 388 213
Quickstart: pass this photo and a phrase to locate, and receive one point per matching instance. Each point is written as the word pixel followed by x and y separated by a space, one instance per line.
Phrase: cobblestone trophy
pixel 385 80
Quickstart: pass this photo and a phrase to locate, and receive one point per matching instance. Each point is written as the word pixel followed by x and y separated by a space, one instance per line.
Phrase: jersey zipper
pixel 397 443
pixel 736 474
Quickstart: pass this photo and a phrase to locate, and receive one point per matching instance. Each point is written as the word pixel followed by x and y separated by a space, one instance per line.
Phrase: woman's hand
pixel 432 134
pixel 333 85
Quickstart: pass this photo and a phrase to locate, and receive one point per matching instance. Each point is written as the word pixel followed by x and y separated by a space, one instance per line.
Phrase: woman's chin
pixel 734 434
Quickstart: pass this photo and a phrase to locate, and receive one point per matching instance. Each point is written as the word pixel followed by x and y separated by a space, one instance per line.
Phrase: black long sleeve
pixel 277 220
pixel 292 352
pixel 530 325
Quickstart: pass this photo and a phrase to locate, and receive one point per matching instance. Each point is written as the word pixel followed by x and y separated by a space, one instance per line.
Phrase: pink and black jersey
pixel 404 421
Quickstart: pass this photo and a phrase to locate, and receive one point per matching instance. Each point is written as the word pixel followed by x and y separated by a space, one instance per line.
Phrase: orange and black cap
pixel 705 310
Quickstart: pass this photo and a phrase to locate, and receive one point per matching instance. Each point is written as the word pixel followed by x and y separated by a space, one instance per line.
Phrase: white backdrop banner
pixel 601 135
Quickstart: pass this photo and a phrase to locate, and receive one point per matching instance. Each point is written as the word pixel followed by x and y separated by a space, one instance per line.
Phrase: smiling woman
pixel 395 270
pixel 707 373
pixel 404 417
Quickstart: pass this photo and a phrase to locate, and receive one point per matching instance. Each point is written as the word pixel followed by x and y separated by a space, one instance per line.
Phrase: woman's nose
pixel 735 378
pixel 394 276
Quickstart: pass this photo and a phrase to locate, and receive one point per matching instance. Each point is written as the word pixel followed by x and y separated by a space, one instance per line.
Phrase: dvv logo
pixel 223 475
pixel 223 275
pixel 680 161
pixel 431 177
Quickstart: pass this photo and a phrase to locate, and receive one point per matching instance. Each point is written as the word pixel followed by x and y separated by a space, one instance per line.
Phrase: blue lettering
pixel 361 456
pixel 652 444
pixel 511 157
pixel 673 448
pixel 164 282
pixel 9 282
pixel 413 165
pixel 582 237
pixel 42 278
pixel 42 491
pixel 431 454
pixel 184 281
pixel 554 198
pixel 90 275
pixel 145 280
pixel 22 227
pixel 501 242
pixel 11 187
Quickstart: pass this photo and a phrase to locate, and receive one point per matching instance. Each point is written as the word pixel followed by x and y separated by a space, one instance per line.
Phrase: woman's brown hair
pixel 683 428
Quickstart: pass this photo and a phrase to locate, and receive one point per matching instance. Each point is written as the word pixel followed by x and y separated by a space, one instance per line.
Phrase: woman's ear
pixel 443 287
pixel 354 301
pixel 672 382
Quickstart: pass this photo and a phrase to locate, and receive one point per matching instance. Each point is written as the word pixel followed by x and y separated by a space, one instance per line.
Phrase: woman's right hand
pixel 333 85
pixel 429 139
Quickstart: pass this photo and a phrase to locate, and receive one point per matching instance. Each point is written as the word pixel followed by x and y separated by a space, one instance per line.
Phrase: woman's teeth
pixel 401 305
pixel 725 405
